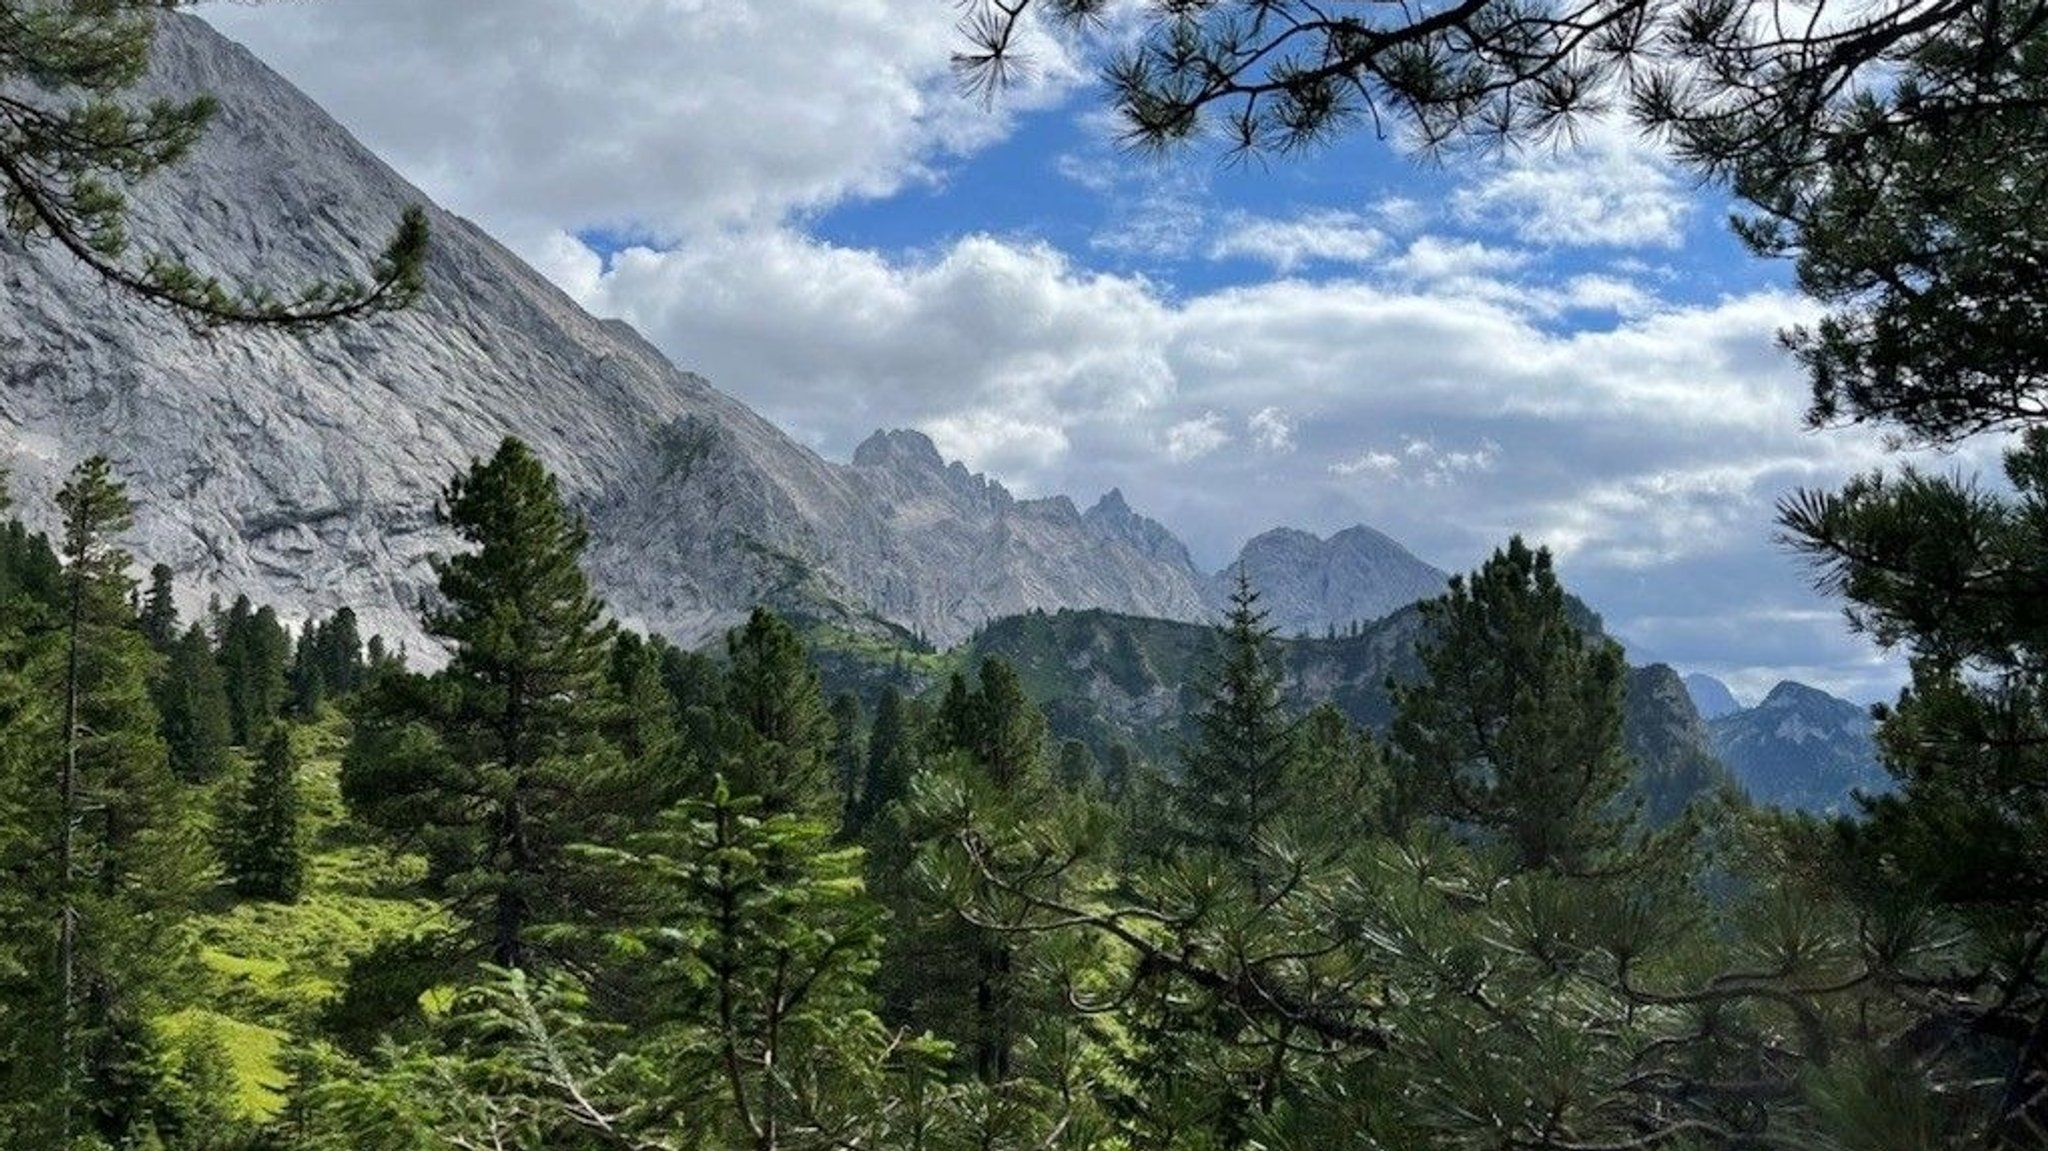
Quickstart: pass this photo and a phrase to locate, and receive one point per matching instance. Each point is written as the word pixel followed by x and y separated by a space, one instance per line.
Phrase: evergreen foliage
pixel 159 615
pixel 499 760
pixel 1516 729
pixel 891 761
pixel 70 139
pixel 778 741
pixel 1235 774
pixel 255 654
pixel 262 843
pixel 192 700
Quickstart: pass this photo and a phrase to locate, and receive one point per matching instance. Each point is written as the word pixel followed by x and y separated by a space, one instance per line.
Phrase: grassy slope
pixel 270 967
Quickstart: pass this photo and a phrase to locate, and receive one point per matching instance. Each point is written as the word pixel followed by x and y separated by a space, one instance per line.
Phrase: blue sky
pixel 791 197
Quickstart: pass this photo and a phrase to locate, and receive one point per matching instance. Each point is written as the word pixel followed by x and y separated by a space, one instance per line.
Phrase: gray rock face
pixel 1801 748
pixel 1308 583
pixel 1711 696
pixel 304 470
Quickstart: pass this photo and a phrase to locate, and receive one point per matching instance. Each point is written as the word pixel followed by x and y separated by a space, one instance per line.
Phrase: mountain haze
pixel 303 470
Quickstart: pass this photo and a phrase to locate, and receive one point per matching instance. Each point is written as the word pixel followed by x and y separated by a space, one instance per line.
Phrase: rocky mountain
pixel 1106 678
pixel 303 469
pixel 1711 696
pixel 1308 583
pixel 1801 748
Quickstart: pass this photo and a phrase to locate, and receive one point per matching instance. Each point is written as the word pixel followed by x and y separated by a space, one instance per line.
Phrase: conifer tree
pixel 646 727
pixel 255 655
pixel 159 615
pixel 499 757
pixel 261 844
pixel 997 738
pixel 778 733
pixel 306 681
pixel 1234 776
pixel 192 700
pixel 890 762
pixel 124 864
pixel 1516 726
pixel 1340 787
pixel 849 753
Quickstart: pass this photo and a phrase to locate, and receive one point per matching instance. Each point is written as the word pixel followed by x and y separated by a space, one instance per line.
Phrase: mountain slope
pixel 1711 696
pixel 1801 748
pixel 1104 677
pixel 1309 584
pixel 304 470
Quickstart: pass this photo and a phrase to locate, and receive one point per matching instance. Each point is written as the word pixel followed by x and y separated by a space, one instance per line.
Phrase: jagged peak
pixel 898 445
pixel 1112 504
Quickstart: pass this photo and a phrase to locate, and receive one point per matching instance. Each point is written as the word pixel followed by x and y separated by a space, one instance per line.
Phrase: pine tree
pixel 261 844
pixel 125 864
pixel 255 654
pixel 997 736
pixel 1516 726
pixel 1234 776
pixel 192 699
pixel 160 610
pixel 1340 791
pixel 778 734
pixel 501 754
pixel 849 754
pixel 891 760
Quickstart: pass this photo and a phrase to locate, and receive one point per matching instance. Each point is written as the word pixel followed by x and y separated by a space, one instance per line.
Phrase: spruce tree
pixel 1235 774
pixel 125 863
pixel 778 730
pixel 192 699
pixel 159 615
pixel 262 844
pixel 890 762
pixel 1515 728
pixel 499 757
pixel 849 753
pixel 255 655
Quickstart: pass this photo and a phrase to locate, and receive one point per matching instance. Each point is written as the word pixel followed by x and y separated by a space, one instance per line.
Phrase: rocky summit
pixel 303 469
pixel 1308 583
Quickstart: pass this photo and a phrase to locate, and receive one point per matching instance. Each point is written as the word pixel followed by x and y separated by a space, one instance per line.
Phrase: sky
pixel 793 198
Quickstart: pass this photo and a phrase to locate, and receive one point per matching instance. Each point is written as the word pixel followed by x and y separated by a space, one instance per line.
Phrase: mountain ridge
pixel 303 470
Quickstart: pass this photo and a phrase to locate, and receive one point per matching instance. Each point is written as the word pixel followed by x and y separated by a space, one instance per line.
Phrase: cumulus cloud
pixel 1313 237
pixel 1427 387
pixel 629 114
pixel 1271 430
pixel 1610 190
pixel 1643 450
pixel 1195 438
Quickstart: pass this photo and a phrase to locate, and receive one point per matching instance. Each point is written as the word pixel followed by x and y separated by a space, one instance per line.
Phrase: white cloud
pixel 1437 258
pixel 1271 430
pixel 1420 461
pixel 543 115
pixel 1314 237
pixel 1610 190
pixel 1193 439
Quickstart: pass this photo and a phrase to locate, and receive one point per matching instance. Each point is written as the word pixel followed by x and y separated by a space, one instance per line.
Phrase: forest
pixel 581 888
pixel 275 886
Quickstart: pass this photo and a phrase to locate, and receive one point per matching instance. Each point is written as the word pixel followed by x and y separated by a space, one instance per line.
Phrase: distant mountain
pixel 1801 748
pixel 1711 696
pixel 1310 584
pixel 1106 678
